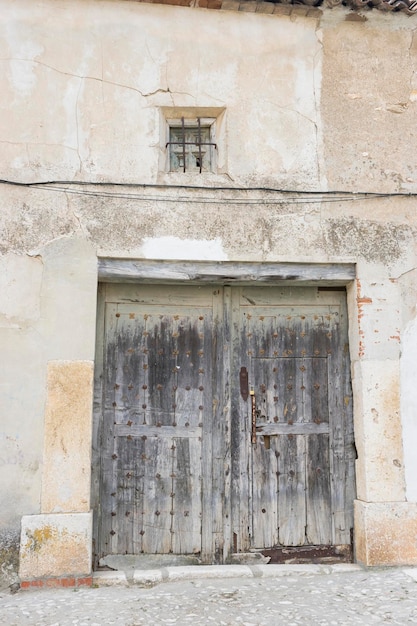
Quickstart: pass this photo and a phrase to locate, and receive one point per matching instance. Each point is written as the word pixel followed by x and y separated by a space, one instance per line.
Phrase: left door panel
pixel 155 424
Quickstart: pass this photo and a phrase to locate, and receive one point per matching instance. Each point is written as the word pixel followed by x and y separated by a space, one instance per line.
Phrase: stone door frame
pixel 57 542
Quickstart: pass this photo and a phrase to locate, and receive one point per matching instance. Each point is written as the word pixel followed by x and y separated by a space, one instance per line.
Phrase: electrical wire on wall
pixel 130 191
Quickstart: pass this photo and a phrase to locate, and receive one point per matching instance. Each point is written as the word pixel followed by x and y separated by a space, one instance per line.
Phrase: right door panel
pixel 294 433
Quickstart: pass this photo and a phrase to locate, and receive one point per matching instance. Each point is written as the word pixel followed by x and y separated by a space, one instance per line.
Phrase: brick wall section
pixel 66 581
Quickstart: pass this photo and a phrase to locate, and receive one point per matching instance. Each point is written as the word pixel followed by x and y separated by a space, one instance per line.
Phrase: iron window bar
pixel 197 143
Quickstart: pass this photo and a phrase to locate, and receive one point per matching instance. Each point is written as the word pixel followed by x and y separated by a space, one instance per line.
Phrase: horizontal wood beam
pixel 227 272
pixel 122 430
pixel 299 428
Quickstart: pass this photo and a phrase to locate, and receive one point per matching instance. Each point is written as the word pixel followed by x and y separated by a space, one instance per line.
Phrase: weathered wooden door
pixel 223 420
pixel 293 435
pixel 155 431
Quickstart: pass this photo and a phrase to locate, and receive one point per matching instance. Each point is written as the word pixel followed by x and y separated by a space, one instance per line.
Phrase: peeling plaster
pixel 184 249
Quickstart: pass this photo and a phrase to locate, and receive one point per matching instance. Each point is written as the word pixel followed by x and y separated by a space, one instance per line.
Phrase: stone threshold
pixel 151 577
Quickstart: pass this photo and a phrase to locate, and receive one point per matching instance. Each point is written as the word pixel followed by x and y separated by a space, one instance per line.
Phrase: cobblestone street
pixel 309 595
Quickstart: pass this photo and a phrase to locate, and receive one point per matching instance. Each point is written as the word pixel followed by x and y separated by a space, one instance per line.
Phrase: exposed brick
pixel 66 581
pixel 87 581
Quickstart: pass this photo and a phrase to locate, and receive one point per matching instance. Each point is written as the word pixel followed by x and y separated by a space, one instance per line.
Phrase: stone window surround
pixel 213 116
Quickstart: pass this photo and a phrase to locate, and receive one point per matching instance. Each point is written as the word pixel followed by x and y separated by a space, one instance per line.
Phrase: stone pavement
pixel 270 595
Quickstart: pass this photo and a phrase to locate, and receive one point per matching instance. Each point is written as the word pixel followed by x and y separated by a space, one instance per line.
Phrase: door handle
pixel 253 423
pixel 244 384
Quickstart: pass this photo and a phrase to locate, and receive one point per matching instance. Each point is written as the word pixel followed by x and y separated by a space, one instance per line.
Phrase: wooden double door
pixel 223 420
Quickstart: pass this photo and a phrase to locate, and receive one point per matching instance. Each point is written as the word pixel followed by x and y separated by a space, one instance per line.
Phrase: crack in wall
pixel 93 78
pixel 37 143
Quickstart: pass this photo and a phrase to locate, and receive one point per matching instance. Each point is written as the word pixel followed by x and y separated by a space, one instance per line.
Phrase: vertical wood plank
pixel 291 489
pixel 222 530
pixel 97 434
pixel 265 488
pixel 318 500
pixel 211 406
pixel 158 459
pixel 186 507
pixel 240 430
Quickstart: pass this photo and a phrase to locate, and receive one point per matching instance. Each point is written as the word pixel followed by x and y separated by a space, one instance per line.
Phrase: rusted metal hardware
pixel 197 143
pixel 253 430
pixel 244 383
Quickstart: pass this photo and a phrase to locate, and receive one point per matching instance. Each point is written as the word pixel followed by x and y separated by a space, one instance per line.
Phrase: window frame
pixel 192 122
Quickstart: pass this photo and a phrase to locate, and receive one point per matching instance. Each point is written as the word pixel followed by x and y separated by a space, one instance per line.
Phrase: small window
pixel 191 145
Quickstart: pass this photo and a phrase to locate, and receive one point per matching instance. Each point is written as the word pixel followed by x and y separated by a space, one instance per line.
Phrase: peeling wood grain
pixel 126 270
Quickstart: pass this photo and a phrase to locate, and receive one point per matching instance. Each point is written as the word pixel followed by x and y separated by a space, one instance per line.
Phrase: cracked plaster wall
pixel 307 106
pixel 114 64
pixel 369 103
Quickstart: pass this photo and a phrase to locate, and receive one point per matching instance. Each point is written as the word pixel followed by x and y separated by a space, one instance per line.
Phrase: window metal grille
pixel 190 148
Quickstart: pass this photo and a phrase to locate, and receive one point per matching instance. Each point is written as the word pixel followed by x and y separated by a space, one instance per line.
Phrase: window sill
pixel 194 179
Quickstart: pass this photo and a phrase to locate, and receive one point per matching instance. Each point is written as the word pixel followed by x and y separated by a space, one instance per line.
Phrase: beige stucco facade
pixel 316 118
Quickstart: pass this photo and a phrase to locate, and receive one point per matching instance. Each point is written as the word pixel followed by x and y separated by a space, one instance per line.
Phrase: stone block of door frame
pixel 67 439
pixel 55 545
pixel 385 533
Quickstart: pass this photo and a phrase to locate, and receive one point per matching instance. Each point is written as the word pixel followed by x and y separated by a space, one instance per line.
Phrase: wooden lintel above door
pixel 224 272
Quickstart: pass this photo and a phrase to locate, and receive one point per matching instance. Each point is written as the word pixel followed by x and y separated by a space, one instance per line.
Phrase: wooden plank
pixel 170 296
pixel 127 511
pixel 288 392
pixel 210 404
pixel 122 430
pixel 186 497
pixel 158 461
pixel 138 489
pixel 265 494
pixel 291 489
pixel 240 432
pixel 98 403
pixel 342 449
pixel 221 497
pixel 298 428
pixel 318 496
pixel 296 300
pixel 107 538
pixel 127 270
